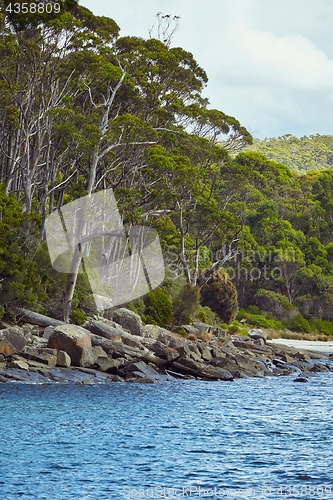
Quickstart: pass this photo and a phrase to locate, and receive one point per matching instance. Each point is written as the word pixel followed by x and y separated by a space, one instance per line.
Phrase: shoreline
pixel 125 350
pixel 308 345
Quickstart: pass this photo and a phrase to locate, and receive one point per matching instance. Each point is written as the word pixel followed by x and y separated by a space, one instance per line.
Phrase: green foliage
pixel 21 284
pixel 321 326
pixel 300 155
pixel 78 317
pixel 206 315
pixel 186 304
pixel 299 324
pixel 259 320
pixel 158 309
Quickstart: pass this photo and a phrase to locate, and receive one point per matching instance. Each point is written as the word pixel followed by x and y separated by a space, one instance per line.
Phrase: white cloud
pixel 290 59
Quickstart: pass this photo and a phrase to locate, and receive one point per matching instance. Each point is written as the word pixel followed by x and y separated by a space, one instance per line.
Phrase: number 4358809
pixel 33 8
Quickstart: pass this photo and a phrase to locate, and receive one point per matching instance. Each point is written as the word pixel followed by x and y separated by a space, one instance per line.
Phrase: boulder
pixel 163 351
pixel 105 328
pixel 200 370
pixel 190 329
pixel 15 337
pixel 256 334
pixel 47 332
pixel 63 359
pixel 75 341
pixel 47 356
pixel 140 369
pixel 205 352
pixel 216 373
pixel 153 331
pixel 6 348
pixel 128 320
pixel 107 364
pixel 203 327
pixel 98 352
pixel 18 363
pixel 300 379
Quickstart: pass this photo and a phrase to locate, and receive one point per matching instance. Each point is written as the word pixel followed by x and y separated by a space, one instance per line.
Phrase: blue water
pixel 182 439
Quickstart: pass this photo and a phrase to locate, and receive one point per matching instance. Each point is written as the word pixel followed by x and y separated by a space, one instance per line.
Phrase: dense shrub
pixel 321 326
pixel 220 294
pixel 186 304
pixel 298 324
pixel 158 309
pixel 259 320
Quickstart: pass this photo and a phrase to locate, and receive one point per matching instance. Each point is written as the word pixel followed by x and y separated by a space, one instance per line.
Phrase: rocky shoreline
pixel 125 350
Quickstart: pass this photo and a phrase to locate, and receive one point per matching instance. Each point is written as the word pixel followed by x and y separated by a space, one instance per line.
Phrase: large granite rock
pixel 257 334
pixel 75 341
pixel 105 328
pixel 6 348
pixel 128 320
pixel 15 337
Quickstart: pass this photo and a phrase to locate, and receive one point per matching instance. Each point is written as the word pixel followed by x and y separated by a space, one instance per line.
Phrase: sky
pixel 269 62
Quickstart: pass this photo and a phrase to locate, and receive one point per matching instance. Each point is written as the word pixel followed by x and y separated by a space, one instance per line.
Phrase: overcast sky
pixel 269 62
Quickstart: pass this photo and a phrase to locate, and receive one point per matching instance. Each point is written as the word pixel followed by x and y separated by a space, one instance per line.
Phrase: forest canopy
pixel 83 109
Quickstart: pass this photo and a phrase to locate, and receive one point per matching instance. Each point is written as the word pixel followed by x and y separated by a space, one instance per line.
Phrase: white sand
pixel 326 347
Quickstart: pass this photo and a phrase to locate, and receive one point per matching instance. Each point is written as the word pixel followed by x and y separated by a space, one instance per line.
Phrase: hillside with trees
pixel 299 154
pixel 83 109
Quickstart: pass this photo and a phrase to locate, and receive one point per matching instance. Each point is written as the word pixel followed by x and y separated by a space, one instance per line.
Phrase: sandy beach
pixel 326 347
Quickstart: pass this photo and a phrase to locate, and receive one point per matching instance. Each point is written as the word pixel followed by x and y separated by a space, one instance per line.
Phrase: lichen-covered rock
pixel 75 341
pixel 128 320
pixel 105 328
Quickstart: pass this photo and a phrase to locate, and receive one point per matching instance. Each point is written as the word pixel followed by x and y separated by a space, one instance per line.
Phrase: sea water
pixel 251 438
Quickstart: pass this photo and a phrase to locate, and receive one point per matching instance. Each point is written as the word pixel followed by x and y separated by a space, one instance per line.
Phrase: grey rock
pixel 107 364
pixel 190 329
pixel 206 353
pixel 18 363
pixel 256 334
pixel 153 331
pixel 319 367
pixel 15 337
pixel 98 352
pixel 43 355
pixel 47 332
pixel 163 351
pixel 63 359
pixel 140 367
pixel 128 320
pixel 105 328
pixel 301 379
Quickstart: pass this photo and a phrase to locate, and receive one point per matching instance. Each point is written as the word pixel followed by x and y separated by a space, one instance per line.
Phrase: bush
pixel 206 315
pixel 186 304
pixel 298 324
pixel 220 295
pixel 321 326
pixel 78 317
pixel 158 309
pixel 259 320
